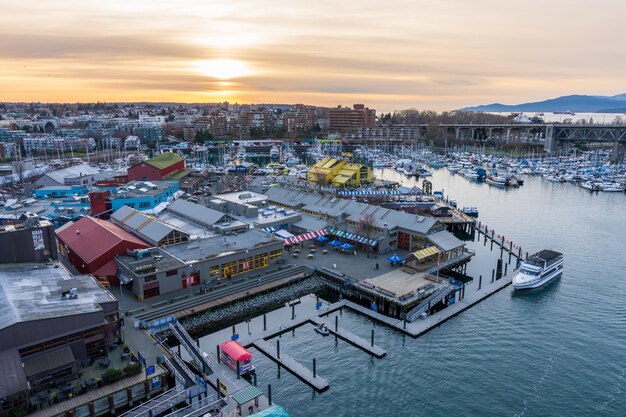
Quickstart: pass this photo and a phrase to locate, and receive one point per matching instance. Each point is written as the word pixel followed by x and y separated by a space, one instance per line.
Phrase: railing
pixel 433 299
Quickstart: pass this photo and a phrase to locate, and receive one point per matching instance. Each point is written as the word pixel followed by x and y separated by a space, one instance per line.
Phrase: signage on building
pixel 38 242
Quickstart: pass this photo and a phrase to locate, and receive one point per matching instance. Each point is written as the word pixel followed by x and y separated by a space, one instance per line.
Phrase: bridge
pixel 553 136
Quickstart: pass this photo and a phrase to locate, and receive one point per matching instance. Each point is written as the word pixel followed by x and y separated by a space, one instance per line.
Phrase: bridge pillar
pixel 550 141
pixel 618 153
pixel 508 134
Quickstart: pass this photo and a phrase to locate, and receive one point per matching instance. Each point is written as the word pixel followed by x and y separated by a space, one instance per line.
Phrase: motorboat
pixel 470 211
pixel 496 180
pixel 538 269
pixel 322 330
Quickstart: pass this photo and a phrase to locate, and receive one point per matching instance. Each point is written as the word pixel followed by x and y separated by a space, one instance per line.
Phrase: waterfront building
pixel 370 227
pixel 142 195
pixel 82 174
pixel 157 168
pixel 52 324
pixel 148 228
pixel 91 244
pixel 31 241
pixel 61 191
pixel 338 173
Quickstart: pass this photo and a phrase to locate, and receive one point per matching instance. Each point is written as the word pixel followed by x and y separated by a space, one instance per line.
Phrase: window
pixel 150 278
pixel 171 273
pixel 275 254
pixel 151 290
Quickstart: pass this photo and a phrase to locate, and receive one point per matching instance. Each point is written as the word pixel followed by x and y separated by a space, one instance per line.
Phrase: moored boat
pixel 538 269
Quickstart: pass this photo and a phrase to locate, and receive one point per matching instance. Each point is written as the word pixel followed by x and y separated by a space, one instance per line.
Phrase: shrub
pixel 132 369
pixel 112 375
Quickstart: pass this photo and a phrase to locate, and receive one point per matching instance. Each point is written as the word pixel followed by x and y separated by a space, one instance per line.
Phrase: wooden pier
pixel 351 338
pixel 292 365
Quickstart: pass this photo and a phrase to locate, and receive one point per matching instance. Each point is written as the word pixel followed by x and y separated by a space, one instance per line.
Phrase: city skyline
pixel 391 56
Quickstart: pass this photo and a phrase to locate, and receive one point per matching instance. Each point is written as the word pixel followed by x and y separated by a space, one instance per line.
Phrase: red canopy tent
pixel 235 351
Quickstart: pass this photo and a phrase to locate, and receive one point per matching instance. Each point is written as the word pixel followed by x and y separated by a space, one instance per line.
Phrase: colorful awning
pixel 305 236
pixel 269 229
pixel 353 237
pixel 426 252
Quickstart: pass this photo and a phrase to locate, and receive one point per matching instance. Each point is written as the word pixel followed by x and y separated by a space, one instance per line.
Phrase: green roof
pixel 177 175
pixel 246 394
pixel 165 160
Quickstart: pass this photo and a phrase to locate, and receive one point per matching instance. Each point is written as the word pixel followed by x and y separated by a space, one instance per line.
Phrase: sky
pixel 392 54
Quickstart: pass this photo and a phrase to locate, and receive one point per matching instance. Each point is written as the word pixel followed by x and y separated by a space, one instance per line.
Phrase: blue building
pixel 60 191
pixel 140 195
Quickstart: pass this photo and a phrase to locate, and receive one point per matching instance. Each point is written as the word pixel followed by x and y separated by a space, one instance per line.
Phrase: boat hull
pixel 539 282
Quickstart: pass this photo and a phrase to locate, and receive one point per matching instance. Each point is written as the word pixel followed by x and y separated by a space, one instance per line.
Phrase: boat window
pixel 529 272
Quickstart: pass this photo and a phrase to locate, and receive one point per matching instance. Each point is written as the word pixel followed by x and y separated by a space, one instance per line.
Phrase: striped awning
pixel 368 192
pixel 426 252
pixel 305 236
pixel 353 237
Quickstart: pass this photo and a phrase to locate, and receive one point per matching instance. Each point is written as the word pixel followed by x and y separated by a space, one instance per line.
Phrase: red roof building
pixel 91 245
pixel 158 168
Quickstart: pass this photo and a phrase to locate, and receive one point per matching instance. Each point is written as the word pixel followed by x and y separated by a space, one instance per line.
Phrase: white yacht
pixel 538 270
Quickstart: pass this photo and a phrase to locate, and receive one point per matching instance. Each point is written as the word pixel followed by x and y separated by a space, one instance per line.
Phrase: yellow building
pixel 338 173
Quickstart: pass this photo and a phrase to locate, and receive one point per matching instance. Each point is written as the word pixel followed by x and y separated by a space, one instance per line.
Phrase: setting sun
pixel 223 69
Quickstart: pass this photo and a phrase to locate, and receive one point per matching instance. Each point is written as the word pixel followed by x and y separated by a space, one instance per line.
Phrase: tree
pixel 367 227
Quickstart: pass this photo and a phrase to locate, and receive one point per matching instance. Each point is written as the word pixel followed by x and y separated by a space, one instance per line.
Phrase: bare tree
pixel 18 168
pixel 367 227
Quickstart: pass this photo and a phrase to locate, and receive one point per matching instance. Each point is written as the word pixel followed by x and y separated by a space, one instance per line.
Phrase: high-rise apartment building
pixel 346 119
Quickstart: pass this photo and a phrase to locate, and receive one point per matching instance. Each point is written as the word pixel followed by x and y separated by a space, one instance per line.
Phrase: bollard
pixel 480 281
pixel 238 371
pixel 278 348
pixel 269 394
pixel 264 322
pixel 314 368
pixel 372 337
pixel 336 323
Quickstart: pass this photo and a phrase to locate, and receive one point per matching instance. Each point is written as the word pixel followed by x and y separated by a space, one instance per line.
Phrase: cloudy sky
pixel 392 54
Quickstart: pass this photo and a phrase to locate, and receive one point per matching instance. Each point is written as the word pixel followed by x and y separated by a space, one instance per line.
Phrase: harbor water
pixel 555 351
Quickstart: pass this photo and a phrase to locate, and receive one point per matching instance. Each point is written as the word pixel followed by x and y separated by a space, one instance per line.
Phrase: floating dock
pixel 351 338
pixel 292 365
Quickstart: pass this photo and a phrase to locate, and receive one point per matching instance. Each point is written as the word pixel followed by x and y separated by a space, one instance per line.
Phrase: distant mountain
pixel 574 103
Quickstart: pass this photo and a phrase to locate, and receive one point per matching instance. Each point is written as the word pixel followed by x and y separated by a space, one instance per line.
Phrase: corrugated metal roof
pixel 165 160
pixel 12 377
pixel 196 212
pixel 148 228
pixel 445 240
pixel 95 237
pixel 72 172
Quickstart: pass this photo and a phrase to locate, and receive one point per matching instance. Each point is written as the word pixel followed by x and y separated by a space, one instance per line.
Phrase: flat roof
pixel 31 291
pixel 138 189
pixel 399 283
pixel 242 197
pixel 220 245
pixel 158 258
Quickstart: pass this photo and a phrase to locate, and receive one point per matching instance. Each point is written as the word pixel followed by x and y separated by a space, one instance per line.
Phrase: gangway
pixel 425 305
pixel 190 346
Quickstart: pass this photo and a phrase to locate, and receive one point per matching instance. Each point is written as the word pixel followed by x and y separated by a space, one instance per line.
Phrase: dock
pixel 293 366
pixel 351 338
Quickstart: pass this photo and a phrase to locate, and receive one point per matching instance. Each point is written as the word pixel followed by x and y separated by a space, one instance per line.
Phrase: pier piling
pixel 372 337
pixel 269 394
pixel 254 378
pixel 238 371
pixel 218 354
pixel 493 274
pixel 505 268
pixel 480 281
pixel 336 323
pixel 278 348
pixel 293 311
pixel 217 388
pixel 314 368
pixel 264 322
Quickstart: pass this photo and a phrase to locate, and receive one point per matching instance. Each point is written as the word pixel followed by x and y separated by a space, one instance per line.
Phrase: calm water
pixel 558 351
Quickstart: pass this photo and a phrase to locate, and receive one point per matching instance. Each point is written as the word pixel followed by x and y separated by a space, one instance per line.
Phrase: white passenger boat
pixel 538 270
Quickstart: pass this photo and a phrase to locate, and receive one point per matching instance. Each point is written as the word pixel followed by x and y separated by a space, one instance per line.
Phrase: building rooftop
pixel 90 238
pixel 220 245
pixel 242 197
pixel 197 213
pixel 163 161
pixel 154 261
pixel 32 291
pixel 142 189
pixel 72 172
pixel 148 228
pixel 445 241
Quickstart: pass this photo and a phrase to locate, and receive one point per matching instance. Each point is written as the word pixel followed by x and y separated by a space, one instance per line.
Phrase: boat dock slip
pixel 351 338
pixel 293 366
